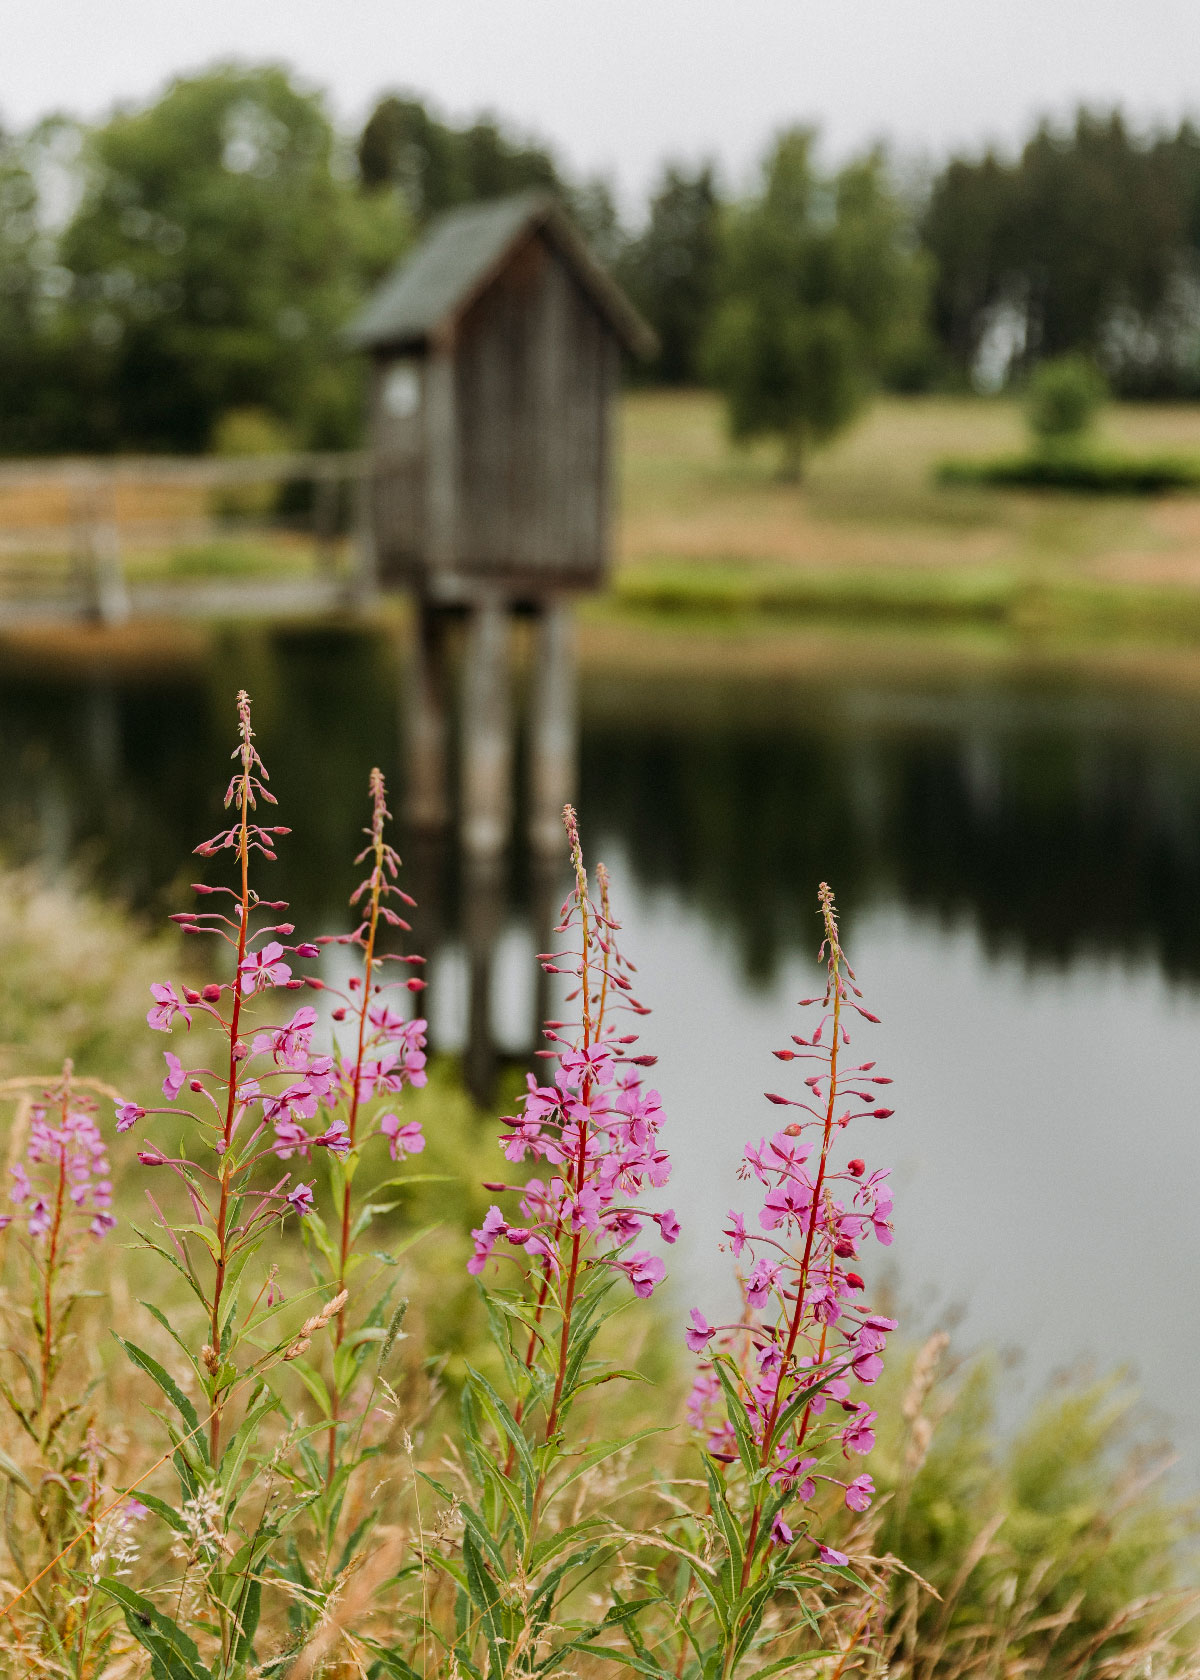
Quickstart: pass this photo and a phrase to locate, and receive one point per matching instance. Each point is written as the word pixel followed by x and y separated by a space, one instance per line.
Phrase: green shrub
pixel 1087 474
pixel 1063 399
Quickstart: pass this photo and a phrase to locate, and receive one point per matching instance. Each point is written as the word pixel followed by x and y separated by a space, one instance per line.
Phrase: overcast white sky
pixel 619 85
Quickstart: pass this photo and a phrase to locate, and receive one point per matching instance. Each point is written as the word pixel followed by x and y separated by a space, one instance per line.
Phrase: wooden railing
pixel 93 532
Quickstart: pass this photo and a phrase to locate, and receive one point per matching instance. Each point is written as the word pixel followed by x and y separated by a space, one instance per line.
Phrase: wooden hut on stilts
pixel 495 350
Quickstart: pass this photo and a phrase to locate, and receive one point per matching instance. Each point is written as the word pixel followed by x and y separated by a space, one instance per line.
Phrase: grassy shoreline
pixel 719 564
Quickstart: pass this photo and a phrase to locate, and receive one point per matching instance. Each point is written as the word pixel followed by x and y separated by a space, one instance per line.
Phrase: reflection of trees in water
pixel 1056 837
pixel 1061 823
pixel 126 776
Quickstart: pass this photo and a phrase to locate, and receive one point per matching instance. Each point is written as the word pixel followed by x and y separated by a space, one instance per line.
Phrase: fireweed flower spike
pixel 595 1127
pixel 780 1396
pixel 385 1056
pixel 58 1206
pixel 261 1091
pixel 574 1249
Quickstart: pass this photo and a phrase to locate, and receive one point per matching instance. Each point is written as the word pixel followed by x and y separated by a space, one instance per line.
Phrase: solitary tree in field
pixel 1065 394
pixel 822 289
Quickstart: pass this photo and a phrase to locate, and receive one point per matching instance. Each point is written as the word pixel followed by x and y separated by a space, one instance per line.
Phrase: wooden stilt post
pixel 547 889
pixel 487 730
pixel 97 557
pixel 553 730
pixel 325 510
pixel 482 912
pixel 427 721
pixel 363 581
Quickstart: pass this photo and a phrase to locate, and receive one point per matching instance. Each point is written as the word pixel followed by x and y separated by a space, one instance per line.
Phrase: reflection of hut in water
pixel 496 358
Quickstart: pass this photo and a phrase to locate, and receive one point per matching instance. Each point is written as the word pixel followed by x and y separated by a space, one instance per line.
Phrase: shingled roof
pixel 459 257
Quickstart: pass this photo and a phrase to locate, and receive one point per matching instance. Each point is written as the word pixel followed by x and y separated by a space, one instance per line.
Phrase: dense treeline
pixel 196 257
pixel 1088 241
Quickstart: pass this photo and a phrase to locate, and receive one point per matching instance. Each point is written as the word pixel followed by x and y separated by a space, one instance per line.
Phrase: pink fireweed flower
pixel 336 1138
pixel 793 1475
pixel 859 1493
pixel 485 1239
pixel 167 1004
pixel 595 1122
pixel 761 1281
pixel 176 1075
pixel 301 1198
pixel 289 1045
pixel 700 1333
pixel 804 1342
pixel 290 1138
pixel 260 969
pixel 644 1271
pixel 407 1139
pixel 128 1114
pixel 859 1435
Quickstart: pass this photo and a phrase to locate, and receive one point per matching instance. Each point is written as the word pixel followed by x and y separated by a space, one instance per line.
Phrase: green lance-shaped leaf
pixel 504 1421
pixel 169 1387
pixel 173 1654
pixel 736 1411
pixel 485 1599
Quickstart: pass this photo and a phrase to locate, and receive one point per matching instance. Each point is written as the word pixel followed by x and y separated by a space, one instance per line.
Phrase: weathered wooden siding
pixel 535 371
pixel 398 493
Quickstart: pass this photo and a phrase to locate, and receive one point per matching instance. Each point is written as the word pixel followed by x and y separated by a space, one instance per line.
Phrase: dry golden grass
pixel 870 501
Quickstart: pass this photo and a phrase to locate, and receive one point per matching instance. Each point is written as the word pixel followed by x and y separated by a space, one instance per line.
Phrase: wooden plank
pixel 441 463
pixel 204 470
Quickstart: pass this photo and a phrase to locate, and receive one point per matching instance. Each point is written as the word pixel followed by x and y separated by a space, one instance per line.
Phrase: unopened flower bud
pixel 190 995
pixel 415 985
pixel 843 1249
pixel 855 1282
pixel 151 1157
pixel 488 1185
pixel 307 950
pixel 292 985
pixel 856 1167
pixel 211 993
pixel 317 985
pixel 339 1015
pixel 240 1051
pixel 793 1130
pixel 195 1085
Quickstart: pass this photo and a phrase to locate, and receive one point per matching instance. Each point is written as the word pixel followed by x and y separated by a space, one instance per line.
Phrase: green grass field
pixel 870 532
pixel 871 538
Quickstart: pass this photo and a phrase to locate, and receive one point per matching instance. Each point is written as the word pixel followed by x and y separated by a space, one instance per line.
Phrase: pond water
pixel 1018 865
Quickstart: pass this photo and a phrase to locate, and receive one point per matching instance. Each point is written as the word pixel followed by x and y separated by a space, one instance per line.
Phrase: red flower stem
pixel 222 1256
pixel 52 1258
pixel 347 1197
pixel 802 1283
pixel 580 1165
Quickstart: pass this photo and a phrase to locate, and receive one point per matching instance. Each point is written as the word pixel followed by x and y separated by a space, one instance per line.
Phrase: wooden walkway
pixel 67 528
